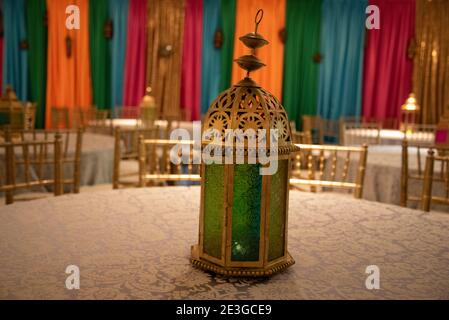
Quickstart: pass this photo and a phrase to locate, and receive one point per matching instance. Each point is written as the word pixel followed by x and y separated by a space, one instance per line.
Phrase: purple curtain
pixel 388 69
pixel 135 68
pixel 191 59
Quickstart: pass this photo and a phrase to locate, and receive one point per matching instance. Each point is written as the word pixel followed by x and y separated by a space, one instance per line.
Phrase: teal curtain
pixel 100 60
pixel 15 59
pixel 118 11
pixel 342 45
pixel 37 56
pixel 210 83
pixel 301 62
pixel 227 49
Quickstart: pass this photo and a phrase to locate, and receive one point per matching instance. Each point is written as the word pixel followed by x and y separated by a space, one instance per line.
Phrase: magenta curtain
pixel 134 82
pixel 1 65
pixel 387 68
pixel 191 59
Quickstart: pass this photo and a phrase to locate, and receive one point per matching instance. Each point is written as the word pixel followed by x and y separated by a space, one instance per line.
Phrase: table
pixel 135 244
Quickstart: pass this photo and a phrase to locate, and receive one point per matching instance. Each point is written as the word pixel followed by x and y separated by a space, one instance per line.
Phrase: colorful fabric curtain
pixel 118 12
pixel 100 59
pixel 15 59
pixel 1 51
pixel 227 19
pixel 210 69
pixel 301 65
pixel 272 55
pixel 341 71
pixel 68 70
pixel 387 67
pixel 37 56
pixel 134 84
pixel 431 66
pixel 191 59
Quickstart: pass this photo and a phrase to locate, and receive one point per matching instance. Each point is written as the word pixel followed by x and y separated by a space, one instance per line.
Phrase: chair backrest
pixel 357 133
pixel 60 118
pixel 421 133
pixel 417 172
pixel 25 165
pixel 71 147
pixel 156 165
pixel 126 112
pixel 314 125
pixel 330 131
pixel 328 166
pixel 126 147
pixel 303 137
pixel 431 177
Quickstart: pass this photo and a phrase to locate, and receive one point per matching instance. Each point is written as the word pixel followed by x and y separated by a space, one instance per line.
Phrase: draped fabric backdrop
pixel 431 66
pixel 165 28
pixel 136 39
pixel 210 69
pixel 15 59
pixel 118 12
pixel 227 20
pixel 100 58
pixel 1 52
pixel 68 78
pixel 269 77
pixel 37 56
pixel 341 71
pixel 191 59
pixel 388 69
pixel 302 45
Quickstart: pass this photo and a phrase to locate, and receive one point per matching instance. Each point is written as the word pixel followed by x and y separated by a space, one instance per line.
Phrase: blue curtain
pixel 342 44
pixel 15 59
pixel 211 56
pixel 118 10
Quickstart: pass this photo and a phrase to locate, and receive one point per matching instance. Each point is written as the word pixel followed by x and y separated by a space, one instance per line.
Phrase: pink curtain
pixel 388 69
pixel 135 68
pixel 191 59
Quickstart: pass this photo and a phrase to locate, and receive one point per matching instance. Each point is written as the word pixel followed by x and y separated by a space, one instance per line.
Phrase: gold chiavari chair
pixel 420 133
pixel 60 117
pixel 25 163
pixel 357 133
pixel 126 152
pixel 417 173
pixel 314 125
pixel 303 137
pixel 324 166
pixel 71 146
pixel 155 165
pixel 431 177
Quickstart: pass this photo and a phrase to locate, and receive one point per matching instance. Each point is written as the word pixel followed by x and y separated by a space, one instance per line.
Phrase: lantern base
pixel 269 270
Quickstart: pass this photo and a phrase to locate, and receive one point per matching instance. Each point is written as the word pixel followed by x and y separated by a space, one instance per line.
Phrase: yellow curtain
pixel 431 64
pixel 68 77
pixel 269 77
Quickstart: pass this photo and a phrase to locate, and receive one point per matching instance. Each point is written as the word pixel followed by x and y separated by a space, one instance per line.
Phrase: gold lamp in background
pixel 409 114
pixel 148 109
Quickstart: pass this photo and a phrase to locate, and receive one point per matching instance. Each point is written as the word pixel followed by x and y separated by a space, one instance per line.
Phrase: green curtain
pixel 100 59
pixel 301 63
pixel 227 49
pixel 37 56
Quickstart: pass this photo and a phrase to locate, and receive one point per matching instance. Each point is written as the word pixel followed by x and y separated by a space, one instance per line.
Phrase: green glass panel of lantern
pixel 213 209
pixel 276 228
pixel 246 213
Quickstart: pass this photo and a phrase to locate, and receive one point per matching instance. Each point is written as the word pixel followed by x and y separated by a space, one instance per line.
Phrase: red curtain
pixel 387 67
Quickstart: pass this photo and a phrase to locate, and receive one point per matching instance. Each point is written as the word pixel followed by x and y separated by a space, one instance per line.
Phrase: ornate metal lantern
pixel 243 215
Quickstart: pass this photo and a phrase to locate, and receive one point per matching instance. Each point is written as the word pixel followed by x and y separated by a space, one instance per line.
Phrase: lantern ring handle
pixel 258 18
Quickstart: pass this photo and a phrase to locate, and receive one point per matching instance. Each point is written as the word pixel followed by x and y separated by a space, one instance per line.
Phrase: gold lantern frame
pixel 246 106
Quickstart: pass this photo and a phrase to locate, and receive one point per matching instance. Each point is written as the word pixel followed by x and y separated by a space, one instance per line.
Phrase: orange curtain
pixel 269 77
pixel 68 77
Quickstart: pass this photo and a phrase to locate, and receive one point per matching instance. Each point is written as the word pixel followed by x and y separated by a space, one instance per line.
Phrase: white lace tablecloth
pixel 135 244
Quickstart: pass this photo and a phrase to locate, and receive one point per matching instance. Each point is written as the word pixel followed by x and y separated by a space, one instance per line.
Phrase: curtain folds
pixel 341 70
pixel 191 59
pixel 134 83
pixel 100 59
pixel 118 11
pixel 301 67
pixel 68 76
pixel 227 20
pixel 210 69
pixel 387 67
pixel 15 59
pixel 37 56
pixel 269 77
pixel 431 64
